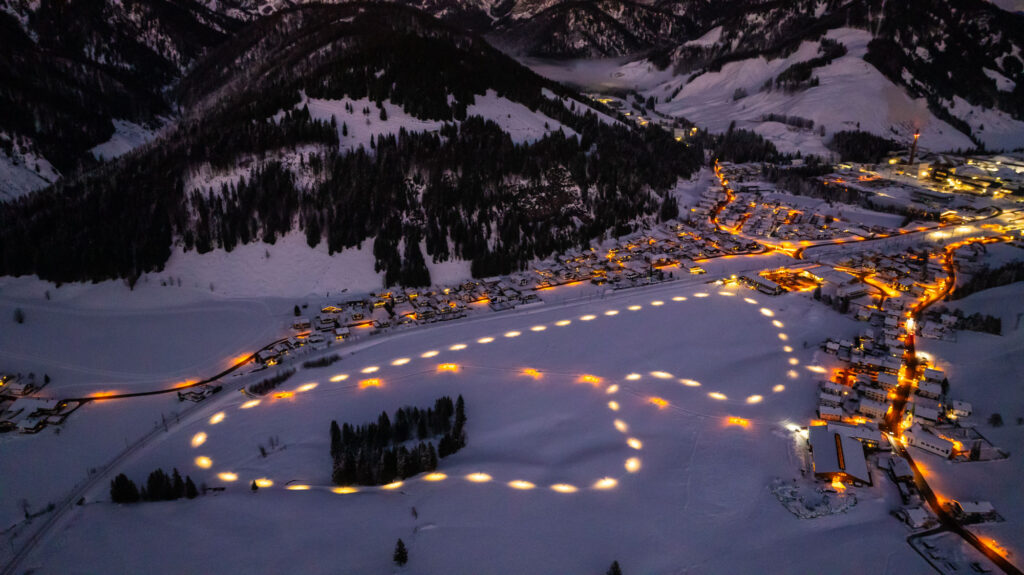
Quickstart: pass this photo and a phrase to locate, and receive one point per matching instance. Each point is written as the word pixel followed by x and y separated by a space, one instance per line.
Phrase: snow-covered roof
pixel 836 453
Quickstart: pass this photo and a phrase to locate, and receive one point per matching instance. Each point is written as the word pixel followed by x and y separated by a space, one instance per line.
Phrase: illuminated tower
pixel 913 148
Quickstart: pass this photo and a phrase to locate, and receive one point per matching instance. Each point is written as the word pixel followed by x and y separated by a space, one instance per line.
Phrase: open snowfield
pixel 683 490
pixel 115 347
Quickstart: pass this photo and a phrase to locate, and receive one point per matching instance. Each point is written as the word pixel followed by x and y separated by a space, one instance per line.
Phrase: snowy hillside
pixel 851 94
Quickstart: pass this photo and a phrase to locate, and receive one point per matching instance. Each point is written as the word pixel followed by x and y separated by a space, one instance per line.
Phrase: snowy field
pixel 663 485
pixel 87 349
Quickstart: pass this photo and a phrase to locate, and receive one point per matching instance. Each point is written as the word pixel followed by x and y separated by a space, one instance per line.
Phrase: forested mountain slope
pixel 288 128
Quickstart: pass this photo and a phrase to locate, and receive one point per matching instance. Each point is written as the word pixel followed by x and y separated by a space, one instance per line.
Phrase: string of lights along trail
pixel 369 378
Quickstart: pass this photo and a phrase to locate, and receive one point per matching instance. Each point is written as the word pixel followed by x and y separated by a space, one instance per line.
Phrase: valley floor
pixel 690 494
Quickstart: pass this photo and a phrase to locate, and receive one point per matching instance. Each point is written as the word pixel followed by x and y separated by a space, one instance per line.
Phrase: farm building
pixel 837 456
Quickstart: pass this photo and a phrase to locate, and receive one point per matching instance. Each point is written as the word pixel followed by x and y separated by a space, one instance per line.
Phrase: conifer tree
pixel 190 488
pixel 401 555
pixel 123 490
pixel 178 485
pixel 615 569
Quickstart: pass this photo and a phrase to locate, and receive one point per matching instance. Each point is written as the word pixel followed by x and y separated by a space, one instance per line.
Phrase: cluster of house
pixel 901 279
pixel 32 414
pixel 866 387
pixel 995 176
pixel 14 385
pixel 752 214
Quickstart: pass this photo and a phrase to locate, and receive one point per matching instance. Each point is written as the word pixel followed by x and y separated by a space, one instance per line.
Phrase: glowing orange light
pixel 520 484
pixel 401 361
pixel 621 425
pixel 217 418
pixel 755 399
pixel 588 317
pixel 199 439
pixel 564 488
pixel 458 347
pixel 690 382
pixel 344 490
pixel 838 485
pixel 633 376
pixel 284 394
pixel 227 476
pixel 605 483
pixel 591 379
pixel 661 374
pixel 250 404
pixel 563 322
pixel 369 383
pixel 485 340
pixel 391 486
pixel 339 377
pixel 613 405
pixel 661 403
pixel 737 421
pixel 264 482
pixel 448 367
pixel 306 387
pixel 478 477
pixel 435 477
pixel 718 396
pixel 429 354
pixel 613 388
pixel 532 373
pixel 632 464
pixel 298 487
pixel 635 443
pixel 203 462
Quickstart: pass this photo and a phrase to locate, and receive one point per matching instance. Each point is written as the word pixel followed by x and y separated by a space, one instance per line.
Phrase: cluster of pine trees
pixel 800 76
pixel 865 147
pixel 159 486
pixel 376 454
pixel 988 278
pixel 265 386
pixel 322 362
